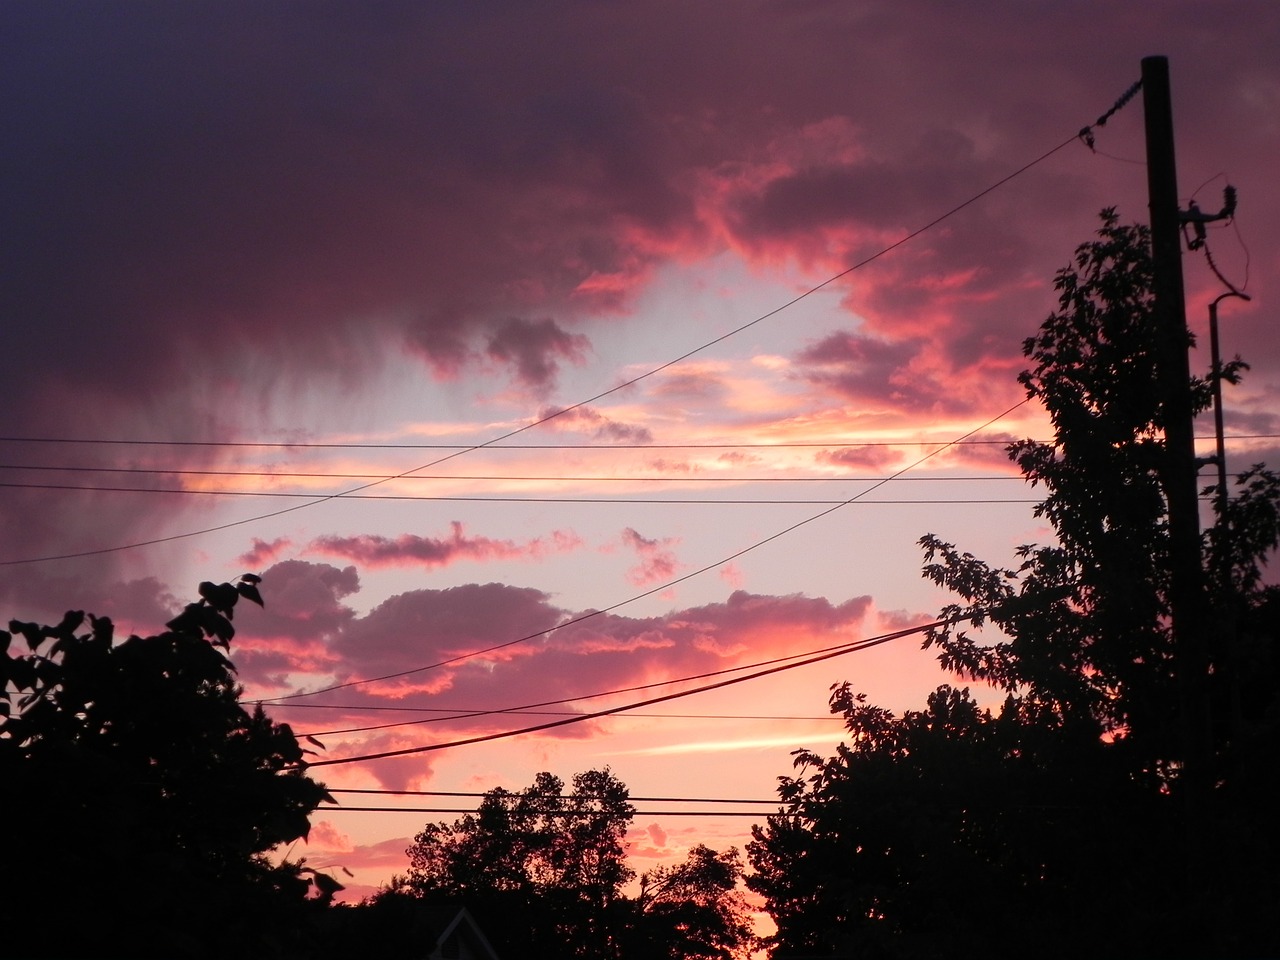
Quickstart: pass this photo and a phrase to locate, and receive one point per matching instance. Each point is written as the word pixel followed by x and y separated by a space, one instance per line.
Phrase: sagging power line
pixel 531 707
pixel 854 647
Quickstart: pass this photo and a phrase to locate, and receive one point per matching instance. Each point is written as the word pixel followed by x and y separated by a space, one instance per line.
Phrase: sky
pixel 552 328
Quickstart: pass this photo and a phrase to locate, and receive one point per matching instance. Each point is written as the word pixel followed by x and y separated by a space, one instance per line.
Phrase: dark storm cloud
pixel 194 180
pixel 866 370
pixel 534 348
pixel 209 204
pixel 206 203
pixel 871 193
pixel 427 625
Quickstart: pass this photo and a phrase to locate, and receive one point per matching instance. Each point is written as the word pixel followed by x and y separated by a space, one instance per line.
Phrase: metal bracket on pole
pixel 1198 218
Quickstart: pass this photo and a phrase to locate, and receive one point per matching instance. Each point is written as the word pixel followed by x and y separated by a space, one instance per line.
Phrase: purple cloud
pixel 413 550
pixel 534 348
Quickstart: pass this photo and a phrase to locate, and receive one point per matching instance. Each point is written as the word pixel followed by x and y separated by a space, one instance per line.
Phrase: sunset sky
pixel 457 321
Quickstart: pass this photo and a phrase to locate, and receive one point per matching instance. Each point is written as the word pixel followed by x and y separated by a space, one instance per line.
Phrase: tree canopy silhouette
pixel 141 798
pixel 1036 826
pixel 551 868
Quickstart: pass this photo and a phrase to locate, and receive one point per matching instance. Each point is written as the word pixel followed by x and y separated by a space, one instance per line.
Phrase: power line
pixel 286 494
pixel 455 712
pixel 491 477
pixel 471 715
pixel 551 813
pixel 651 685
pixel 668 584
pixel 883 251
pixel 610 711
pixel 531 707
pixel 462 447
pixel 735 445
pixel 772 803
pixel 514 795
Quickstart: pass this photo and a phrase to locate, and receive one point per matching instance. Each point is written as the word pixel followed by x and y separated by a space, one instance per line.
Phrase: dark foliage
pixel 954 825
pixel 556 861
pixel 1056 826
pixel 140 798
pixel 552 868
pixel 692 910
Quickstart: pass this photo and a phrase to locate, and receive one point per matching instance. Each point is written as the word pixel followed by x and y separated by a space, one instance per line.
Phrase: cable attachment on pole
pixel 1198 218
pixel 1086 133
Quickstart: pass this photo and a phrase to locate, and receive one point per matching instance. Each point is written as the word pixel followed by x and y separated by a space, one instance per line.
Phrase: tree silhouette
pixel 1060 815
pixel 552 865
pixel 692 910
pixel 141 798
pixel 546 872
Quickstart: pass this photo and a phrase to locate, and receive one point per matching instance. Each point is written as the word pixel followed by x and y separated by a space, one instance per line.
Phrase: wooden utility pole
pixel 1189 608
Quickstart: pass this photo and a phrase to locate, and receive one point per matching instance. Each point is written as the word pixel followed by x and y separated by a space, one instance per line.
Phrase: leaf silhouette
pixel 250 592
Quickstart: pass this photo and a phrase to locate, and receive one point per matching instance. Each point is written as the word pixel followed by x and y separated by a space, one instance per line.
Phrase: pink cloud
pixel 385 853
pixel 658 562
pixel 610 650
pixel 657 835
pixel 562 541
pixel 645 845
pixel 398 773
pixel 305 599
pixel 660 844
pixel 295 631
pixel 739 458
pixel 352 867
pixel 326 836
pixel 861 457
pixel 141 605
pixel 989 457
pixel 614 291
pixel 702 385
pixel 600 427
pixel 732 574
pixel 869 371
pixel 263 553
pixel 423 628
pixel 413 550
pixel 665 465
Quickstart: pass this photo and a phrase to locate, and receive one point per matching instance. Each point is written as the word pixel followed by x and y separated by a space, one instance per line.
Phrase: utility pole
pixel 1188 600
